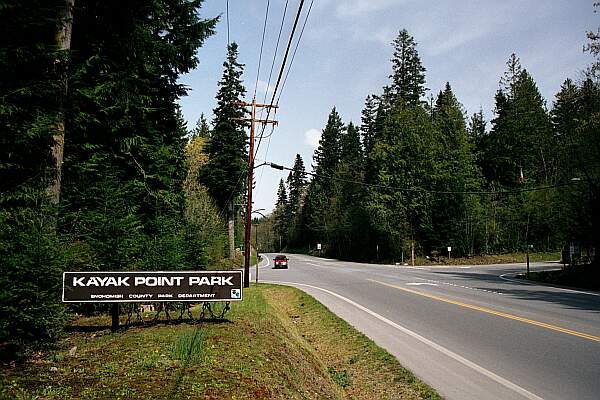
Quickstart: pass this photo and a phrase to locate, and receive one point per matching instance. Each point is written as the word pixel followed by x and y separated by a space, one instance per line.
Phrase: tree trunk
pixel 63 41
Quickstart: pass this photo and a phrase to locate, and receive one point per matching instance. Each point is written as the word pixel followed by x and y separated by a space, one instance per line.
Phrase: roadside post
pixel 449 250
pixel 257 254
pixel 114 313
pixel 256 239
pixel 527 247
pixel 571 253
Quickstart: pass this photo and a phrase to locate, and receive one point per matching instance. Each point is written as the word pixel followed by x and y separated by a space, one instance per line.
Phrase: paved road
pixel 467 331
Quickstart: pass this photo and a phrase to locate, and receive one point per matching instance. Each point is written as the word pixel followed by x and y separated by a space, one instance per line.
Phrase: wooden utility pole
pixel 247 231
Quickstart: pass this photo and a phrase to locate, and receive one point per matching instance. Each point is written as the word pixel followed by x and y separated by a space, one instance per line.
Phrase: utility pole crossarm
pixel 267 121
pixel 245 104
pixel 262 121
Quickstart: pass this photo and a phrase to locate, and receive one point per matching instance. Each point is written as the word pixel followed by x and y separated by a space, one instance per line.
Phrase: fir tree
pixel 477 128
pixel 224 172
pixel 593 47
pixel 455 171
pixel 477 132
pixel 281 212
pixel 346 205
pixel 297 185
pixel 408 76
pixel 351 151
pixel 326 159
pixel 121 192
pixel 508 81
pixel 368 122
pixel 202 129
pixel 403 157
pixel 518 147
pixel 327 155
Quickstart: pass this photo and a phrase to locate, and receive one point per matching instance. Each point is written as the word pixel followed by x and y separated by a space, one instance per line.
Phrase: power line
pixel 269 82
pixel 227 23
pixel 261 48
pixel 266 153
pixel 287 51
pixel 261 136
pixel 421 190
pixel 285 80
pixel 295 50
pixel 275 53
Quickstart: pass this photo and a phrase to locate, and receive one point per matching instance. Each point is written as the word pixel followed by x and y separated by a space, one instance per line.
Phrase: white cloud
pixel 312 137
pixel 355 8
pixel 262 87
pixel 384 35
pixel 458 39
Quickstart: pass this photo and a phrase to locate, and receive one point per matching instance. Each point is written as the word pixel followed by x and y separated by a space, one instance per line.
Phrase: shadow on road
pixel 578 301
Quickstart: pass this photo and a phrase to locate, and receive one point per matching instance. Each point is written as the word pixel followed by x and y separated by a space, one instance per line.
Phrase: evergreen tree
pixel 227 165
pixel 327 154
pixel 593 47
pixel 281 213
pixel 580 150
pixel 518 147
pixel 346 205
pixel 368 119
pixel 297 185
pixel 455 172
pixel 408 76
pixel 509 81
pixel 477 132
pixel 326 158
pixel 202 129
pixel 477 128
pixel 121 192
pixel 351 151
pixel 403 159
pixel 124 122
pixel 30 260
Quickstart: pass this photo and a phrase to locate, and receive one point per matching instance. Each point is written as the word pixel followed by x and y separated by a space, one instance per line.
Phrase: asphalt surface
pixel 471 332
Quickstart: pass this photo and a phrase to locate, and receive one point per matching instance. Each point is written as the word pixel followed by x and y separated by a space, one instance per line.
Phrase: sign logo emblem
pixel 236 293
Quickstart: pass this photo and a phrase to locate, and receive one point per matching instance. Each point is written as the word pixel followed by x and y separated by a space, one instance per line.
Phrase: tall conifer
pixel 224 172
pixel 408 76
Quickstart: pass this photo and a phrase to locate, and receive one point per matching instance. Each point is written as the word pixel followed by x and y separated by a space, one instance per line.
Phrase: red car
pixel 280 261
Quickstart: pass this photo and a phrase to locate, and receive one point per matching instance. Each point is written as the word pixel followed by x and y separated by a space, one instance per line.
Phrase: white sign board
pixel 318 246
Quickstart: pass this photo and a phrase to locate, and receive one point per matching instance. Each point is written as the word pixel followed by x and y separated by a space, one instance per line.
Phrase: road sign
pixel 127 287
pixel 318 246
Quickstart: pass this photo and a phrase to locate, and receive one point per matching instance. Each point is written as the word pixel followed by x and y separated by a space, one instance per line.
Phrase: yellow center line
pixel 494 312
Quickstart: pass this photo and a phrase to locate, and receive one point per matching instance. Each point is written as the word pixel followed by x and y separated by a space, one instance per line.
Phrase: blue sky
pixel 345 51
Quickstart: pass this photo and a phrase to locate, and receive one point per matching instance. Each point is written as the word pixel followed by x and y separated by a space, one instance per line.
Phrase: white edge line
pixel 522 282
pixel 426 341
pixel 268 261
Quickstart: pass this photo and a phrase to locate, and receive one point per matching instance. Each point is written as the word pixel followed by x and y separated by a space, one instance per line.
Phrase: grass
pixel 584 277
pixel 279 343
pixel 442 258
pixel 505 258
